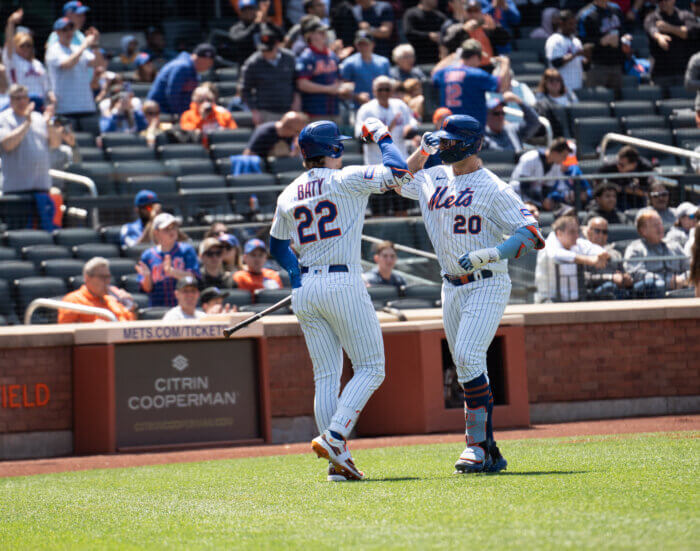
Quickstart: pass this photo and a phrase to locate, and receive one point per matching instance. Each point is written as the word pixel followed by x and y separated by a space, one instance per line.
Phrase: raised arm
pixel 12 23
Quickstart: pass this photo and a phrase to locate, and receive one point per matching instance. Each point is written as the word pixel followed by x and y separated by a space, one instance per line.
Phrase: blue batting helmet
pixel 321 139
pixel 466 131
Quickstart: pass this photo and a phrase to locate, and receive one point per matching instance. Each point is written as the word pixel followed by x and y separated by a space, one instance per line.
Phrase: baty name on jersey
pixel 311 188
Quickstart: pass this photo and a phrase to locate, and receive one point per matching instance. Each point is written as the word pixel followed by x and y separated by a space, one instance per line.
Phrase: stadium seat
pixel 184 167
pixel 679 92
pixel 141 89
pixel 120 139
pixel 124 170
pixel 244 119
pixel 119 267
pixel 84 139
pixel 75 236
pixel 227 88
pixel 528 67
pixel 590 166
pixel 136 251
pixel 30 288
pixel 255 308
pixel 238 297
pixel 682 119
pixel 100 172
pixel 227 74
pixel 182 151
pixel 75 282
pixel 159 184
pixel 222 150
pixel 411 303
pixel 502 170
pixel 589 131
pixel 223 165
pixel 153 313
pixel 598 93
pixel 198 181
pixel 39 253
pixel 62 267
pixel 667 106
pixel 7 253
pixel 682 135
pixel 352 159
pixel 427 292
pixel 7 305
pixel 643 121
pixel 91 154
pixel 497 156
pixel 17 239
pixel 270 296
pixel 240 180
pixel 130 282
pixel 621 245
pixel 286 178
pixel 383 293
pixel 237 135
pixel 531 44
pixel 286 164
pixel 647 92
pixel 546 218
pixel 352 146
pixel 586 109
pixel 658 135
pixel 111 234
pixel 520 56
pixel 86 251
pixel 284 276
pixel 16 269
pixel 631 108
pixel 140 299
pixel 621 232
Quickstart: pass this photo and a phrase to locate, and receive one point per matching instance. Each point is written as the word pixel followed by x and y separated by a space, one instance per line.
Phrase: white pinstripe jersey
pixel 466 212
pixel 323 211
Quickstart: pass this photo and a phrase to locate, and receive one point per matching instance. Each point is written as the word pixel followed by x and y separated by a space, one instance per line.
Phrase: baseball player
pixel 467 210
pixel 322 212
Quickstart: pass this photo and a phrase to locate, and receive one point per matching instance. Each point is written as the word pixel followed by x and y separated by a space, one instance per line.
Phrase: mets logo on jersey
pixel 439 201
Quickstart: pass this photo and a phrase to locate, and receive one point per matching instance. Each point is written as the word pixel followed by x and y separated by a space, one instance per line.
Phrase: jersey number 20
pixel 328 212
pixel 462 224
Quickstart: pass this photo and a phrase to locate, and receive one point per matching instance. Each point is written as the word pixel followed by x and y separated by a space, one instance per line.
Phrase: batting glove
pixel 478 259
pixel 429 144
pixel 374 130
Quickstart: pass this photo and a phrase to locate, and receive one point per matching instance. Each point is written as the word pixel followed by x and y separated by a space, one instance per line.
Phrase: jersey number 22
pixel 328 212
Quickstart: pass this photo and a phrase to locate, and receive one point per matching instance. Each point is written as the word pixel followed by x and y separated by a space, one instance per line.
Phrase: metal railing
pixel 60 305
pixel 646 144
pixel 84 181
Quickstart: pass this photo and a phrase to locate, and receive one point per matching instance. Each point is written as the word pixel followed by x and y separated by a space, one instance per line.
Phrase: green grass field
pixel 630 492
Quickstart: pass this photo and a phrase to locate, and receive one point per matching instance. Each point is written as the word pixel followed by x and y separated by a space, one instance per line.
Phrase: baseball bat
pixel 245 323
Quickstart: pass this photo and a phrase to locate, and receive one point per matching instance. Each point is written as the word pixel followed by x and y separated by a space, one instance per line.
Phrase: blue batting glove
pixel 466 263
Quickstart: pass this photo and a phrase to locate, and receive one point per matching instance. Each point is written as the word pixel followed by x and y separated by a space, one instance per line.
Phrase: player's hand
pixel 478 259
pixel 374 130
pixel 429 144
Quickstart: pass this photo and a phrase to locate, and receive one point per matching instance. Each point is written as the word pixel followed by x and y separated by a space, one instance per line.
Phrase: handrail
pixel 403 248
pixel 599 176
pixel 646 144
pixel 82 180
pixel 543 121
pixel 59 304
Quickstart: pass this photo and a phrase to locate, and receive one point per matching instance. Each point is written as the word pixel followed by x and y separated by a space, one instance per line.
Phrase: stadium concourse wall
pixel 60 386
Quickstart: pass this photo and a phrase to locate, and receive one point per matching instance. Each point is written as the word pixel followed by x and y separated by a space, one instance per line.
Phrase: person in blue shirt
pixel 162 266
pixel 145 202
pixel 462 85
pixel 176 81
pixel 122 116
pixel 76 12
pixel 363 67
pixel 506 14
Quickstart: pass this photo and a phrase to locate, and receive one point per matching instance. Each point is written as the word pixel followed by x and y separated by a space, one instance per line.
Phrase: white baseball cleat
pixel 336 451
pixel 473 459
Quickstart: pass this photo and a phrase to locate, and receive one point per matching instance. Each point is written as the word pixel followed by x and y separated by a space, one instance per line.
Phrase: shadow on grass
pixel 530 473
pixel 393 479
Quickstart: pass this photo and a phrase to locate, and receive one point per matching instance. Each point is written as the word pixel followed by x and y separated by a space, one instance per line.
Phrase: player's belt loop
pixel 331 268
pixel 469 278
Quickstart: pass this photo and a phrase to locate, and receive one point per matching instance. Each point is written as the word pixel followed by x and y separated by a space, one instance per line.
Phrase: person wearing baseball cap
pixel 146 205
pixel 187 295
pixel 363 67
pixel 76 13
pixel 508 136
pixel 163 265
pixel 253 275
pixel 686 217
pixel 175 82
pixel 145 69
pixel 212 300
pixel 211 251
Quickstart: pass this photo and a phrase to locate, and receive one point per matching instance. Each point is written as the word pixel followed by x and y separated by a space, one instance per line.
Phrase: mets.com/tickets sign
pixel 170 393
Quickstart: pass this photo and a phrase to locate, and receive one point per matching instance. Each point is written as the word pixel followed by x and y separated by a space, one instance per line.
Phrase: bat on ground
pixel 245 323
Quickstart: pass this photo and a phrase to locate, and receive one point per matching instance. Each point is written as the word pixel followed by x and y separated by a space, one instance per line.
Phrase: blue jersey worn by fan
pixel 320 67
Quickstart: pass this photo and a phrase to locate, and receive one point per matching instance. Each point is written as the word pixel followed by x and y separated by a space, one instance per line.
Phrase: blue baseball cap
pixel 253 244
pixel 61 23
pixel 229 240
pixel 142 59
pixel 145 197
pixel 243 4
pixel 494 102
pixel 74 7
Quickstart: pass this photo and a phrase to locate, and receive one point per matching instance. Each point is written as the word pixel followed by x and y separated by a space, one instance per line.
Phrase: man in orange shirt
pixel 204 115
pixel 96 292
pixel 253 276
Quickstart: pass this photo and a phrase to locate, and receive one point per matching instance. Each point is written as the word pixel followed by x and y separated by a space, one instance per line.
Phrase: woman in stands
pixel 552 93
pixel 231 246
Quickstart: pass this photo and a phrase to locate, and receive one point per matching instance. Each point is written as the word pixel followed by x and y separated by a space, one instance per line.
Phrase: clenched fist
pixel 374 130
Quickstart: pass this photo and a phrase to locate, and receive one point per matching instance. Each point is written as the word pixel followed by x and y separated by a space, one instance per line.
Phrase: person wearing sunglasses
pixel 610 281
pixel 686 217
pixel 503 136
pixel 659 199
pixel 211 257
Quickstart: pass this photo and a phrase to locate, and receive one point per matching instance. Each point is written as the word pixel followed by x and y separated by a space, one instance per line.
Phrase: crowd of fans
pixel 346 61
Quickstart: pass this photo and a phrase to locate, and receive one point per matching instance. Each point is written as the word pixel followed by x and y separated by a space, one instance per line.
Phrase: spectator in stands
pixel 21 64
pixel 564 51
pixel 695 260
pixel 145 69
pixel 605 203
pixel 277 138
pixel 98 293
pixel 501 135
pixel 685 221
pixel 156 48
pixel 76 13
pixel 610 281
pixel 634 191
pixel 692 80
pixel 230 246
pixel 122 117
pixel 245 34
pixel 377 18
pixel 129 51
pixel 565 250
pixel 385 258
pixel 537 163
pixel 146 206
pixel 61 140
pixel 670 44
pixel 267 79
pixel 294 39
pixel 659 199
pixel 600 23
pixel 410 92
pixel 162 266
pixel 253 275
pixel 552 94
pixel 507 17
pixel 212 300
pixel 422 25
pixel 363 67
pixel 653 279
pixel 204 115
pixel 343 21
pixel 469 81
pixel 70 73
pixel 638 67
pixel 213 273
pixel 175 82
pixel 480 27
pixel 151 111
pixel 24 150
pixel 318 76
pixel 404 58
pixel 391 111
pixel 533 210
pixel 187 295
pixel 4 85
pixel 549 22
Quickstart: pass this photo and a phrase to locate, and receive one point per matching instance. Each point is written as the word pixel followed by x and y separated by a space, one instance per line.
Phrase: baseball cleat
pixel 336 451
pixel 498 462
pixel 334 475
pixel 473 459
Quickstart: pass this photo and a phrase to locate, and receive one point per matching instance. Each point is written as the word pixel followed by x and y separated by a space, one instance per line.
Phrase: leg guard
pixel 476 408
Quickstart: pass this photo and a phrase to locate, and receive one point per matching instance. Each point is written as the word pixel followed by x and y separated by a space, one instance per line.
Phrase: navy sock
pixel 336 435
pixel 476 405
pixel 489 419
